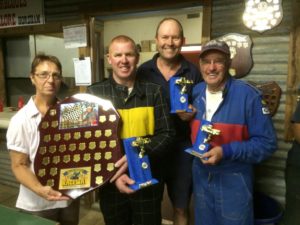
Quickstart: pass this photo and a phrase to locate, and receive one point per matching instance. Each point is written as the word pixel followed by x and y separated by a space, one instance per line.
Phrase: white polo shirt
pixel 23 136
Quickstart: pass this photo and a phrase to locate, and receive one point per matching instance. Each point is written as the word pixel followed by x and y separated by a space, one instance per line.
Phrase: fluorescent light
pixel 191 48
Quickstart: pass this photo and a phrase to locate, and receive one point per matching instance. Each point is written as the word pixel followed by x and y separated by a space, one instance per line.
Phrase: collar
pixel 31 108
pixel 227 85
pixel 182 70
pixel 137 89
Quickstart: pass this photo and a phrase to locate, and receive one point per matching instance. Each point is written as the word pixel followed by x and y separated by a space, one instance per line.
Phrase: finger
pixel 123 184
pixel 61 198
pixel 53 195
pixel 120 171
pixel 126 190
pixel 121 161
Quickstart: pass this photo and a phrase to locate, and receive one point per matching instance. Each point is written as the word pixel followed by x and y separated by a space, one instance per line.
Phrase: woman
pixel 23 140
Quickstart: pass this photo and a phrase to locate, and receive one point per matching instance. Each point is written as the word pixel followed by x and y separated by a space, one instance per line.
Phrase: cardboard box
pixel 145 44
pixel 153 46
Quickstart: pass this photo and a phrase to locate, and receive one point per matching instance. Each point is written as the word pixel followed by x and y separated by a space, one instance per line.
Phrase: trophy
pixel 178 94
pixel 138 162
pixel 203 138
pixel 79 145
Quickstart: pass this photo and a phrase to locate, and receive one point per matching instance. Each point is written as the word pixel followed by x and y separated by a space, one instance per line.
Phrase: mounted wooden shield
pixel 79 144
pixel 240 53
pixel 271 93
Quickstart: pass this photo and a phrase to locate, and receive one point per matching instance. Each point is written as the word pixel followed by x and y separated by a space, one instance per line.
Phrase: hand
pixel 123 182
pixel 213 156
pixel 122 165
pixel 51 195
pixel 187 116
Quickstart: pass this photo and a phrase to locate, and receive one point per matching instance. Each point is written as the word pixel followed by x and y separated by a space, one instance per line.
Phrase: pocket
pixel 236 194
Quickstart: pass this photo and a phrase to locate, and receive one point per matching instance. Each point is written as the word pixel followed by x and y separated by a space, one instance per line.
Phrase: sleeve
pixel 164 129
pixel 17 136
pixel 262 141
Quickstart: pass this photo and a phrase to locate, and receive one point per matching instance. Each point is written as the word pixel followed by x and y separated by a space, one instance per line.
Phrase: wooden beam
pixel 206 23
pixel 293 78
pixel 293 81
pixel 100 8
pixel 2 77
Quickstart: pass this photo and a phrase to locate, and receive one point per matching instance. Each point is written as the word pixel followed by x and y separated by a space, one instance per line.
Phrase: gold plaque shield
pixel 73 138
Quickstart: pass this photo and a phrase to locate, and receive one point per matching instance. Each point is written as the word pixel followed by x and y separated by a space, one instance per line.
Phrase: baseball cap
pixel 215 45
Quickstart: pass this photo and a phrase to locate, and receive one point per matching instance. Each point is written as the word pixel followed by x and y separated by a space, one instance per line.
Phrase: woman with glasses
pixel 23 141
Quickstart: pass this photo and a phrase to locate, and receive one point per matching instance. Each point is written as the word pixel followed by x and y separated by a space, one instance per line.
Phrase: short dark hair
pixel 39 58
pixel 172 19
pixel 124 38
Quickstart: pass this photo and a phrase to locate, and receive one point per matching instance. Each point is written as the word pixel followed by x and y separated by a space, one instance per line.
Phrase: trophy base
pixel 194 153
pixel 138 186
pixel 181 110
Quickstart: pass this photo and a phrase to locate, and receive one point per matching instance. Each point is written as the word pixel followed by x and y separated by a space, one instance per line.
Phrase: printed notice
pixel 75 36
pixel 83 72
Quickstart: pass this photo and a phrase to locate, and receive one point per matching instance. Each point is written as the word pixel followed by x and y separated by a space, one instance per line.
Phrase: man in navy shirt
pixel 168 63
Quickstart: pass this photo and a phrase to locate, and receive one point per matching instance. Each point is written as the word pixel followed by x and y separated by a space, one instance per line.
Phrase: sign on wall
pixel 21 13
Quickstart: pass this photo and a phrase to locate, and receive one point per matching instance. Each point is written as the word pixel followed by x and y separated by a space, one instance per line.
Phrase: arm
pixel 261 141
pixel 21 168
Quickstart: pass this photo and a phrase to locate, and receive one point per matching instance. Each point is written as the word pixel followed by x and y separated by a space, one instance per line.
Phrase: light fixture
pixel 262 15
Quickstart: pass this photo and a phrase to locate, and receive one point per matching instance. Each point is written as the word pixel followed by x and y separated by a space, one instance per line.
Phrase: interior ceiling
pixel 106 8
pixel 127 15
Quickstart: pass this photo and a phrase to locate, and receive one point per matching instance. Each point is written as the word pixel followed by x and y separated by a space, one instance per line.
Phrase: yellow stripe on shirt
pixel 137 122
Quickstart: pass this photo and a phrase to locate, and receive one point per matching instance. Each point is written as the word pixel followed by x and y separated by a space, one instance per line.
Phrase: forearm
pixel 27 178
pixel 20 165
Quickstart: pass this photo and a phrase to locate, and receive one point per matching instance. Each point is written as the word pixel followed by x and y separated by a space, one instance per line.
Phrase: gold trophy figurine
pixel 203 138
pixel 183 82
pixel 210 132
pixel 140 142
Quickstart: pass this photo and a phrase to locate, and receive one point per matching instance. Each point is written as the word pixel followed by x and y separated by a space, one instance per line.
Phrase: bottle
pixel 20 102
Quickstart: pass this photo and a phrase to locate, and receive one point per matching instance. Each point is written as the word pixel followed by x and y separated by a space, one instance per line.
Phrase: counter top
pixel 12 216
pixel 5 117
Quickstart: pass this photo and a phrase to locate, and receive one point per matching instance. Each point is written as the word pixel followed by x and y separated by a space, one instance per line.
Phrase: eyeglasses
pixel 46 75
pixel 217 62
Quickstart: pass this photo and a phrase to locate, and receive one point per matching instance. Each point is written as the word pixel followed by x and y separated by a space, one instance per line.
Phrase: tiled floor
pixel 88 215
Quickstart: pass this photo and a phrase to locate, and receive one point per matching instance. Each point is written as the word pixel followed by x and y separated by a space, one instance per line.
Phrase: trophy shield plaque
pixel 138 162
pixel 79 144
pixel 178 94
pixel 203 138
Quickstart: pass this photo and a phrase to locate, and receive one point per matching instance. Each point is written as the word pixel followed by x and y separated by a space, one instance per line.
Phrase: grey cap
pixel 215 45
